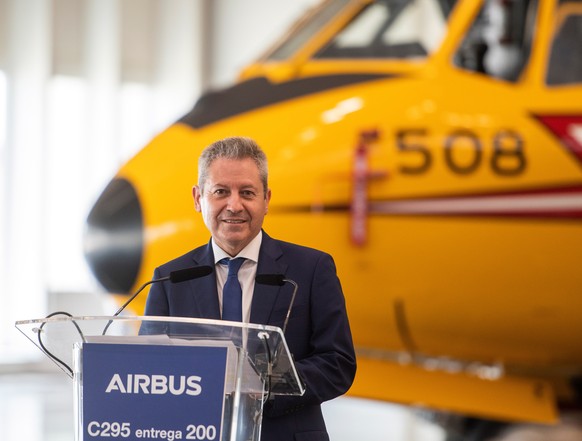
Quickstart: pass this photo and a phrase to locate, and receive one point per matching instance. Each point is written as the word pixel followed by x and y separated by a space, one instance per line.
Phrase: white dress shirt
pixel 246 273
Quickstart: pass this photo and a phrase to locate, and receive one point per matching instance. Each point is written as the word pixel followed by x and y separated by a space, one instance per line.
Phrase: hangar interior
pixel 84 84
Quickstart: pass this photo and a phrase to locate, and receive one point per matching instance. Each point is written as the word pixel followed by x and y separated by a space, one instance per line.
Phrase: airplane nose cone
pixel 113 241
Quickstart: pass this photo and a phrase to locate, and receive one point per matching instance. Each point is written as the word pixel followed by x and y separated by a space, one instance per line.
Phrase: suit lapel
pixel 265 296
pixel 204 289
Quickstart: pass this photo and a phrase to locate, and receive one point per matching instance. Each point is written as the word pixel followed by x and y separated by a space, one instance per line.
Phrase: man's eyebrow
pixel 228 187
pixel 249 185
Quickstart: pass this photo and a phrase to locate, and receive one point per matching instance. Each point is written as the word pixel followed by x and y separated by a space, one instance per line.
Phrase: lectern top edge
pixel 221 323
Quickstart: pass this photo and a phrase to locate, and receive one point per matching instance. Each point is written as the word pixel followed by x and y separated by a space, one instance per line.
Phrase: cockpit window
pixel 307 29
pixel 499 41
pixel 565 63
pixel 391 29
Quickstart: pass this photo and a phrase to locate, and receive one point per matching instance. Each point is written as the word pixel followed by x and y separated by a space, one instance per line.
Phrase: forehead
pixel 224 171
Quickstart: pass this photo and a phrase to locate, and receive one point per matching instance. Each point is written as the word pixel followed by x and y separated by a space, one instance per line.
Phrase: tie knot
pixel 233 265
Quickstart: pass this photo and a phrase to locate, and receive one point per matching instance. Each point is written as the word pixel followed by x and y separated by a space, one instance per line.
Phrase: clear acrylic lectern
pixel 167 377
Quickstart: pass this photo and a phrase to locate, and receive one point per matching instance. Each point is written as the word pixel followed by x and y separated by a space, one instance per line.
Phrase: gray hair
pixel 236 147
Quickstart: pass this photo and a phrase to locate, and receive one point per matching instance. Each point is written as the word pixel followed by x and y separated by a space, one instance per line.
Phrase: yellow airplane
pixel 434 148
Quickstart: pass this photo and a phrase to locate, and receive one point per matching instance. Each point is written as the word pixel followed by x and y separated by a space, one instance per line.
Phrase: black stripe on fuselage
pixel 260 92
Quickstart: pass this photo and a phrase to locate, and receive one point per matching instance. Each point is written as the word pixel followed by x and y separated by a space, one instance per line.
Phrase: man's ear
pixel 268 199
pixel 197 194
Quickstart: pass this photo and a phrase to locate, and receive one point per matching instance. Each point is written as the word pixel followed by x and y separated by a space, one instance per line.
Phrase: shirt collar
pixel 250 252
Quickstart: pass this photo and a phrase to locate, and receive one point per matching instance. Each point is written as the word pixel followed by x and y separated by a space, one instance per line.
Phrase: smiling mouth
pixel 233 221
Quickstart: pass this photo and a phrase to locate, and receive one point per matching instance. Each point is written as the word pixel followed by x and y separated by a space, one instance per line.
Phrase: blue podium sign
pixel 152 392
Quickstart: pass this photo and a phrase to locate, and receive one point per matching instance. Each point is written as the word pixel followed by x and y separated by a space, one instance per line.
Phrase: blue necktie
pixel 232 291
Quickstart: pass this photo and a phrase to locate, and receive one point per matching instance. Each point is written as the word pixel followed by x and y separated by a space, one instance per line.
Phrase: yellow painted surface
pixel 513 399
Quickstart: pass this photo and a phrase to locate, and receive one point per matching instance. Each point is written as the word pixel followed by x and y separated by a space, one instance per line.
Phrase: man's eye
pixel 220 192
pixel 248 194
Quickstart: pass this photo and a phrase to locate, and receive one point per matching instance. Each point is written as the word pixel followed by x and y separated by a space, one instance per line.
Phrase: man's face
pixel 233 203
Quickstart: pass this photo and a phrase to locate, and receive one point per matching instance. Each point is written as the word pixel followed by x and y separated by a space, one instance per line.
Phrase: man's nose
pixel 234 203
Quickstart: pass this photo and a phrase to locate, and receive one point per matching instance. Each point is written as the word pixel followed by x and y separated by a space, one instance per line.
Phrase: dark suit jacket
pixel 318 332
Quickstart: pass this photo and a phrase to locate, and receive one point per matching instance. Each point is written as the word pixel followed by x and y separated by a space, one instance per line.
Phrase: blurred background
pixel 84 84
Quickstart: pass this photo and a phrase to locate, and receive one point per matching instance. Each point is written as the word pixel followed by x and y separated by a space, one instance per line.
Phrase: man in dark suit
pixel 233 196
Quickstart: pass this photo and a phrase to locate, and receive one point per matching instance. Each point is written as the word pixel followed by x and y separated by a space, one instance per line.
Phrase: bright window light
pixel 66 169
pixel 2 110
pixel 3 199
pixel 137 126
